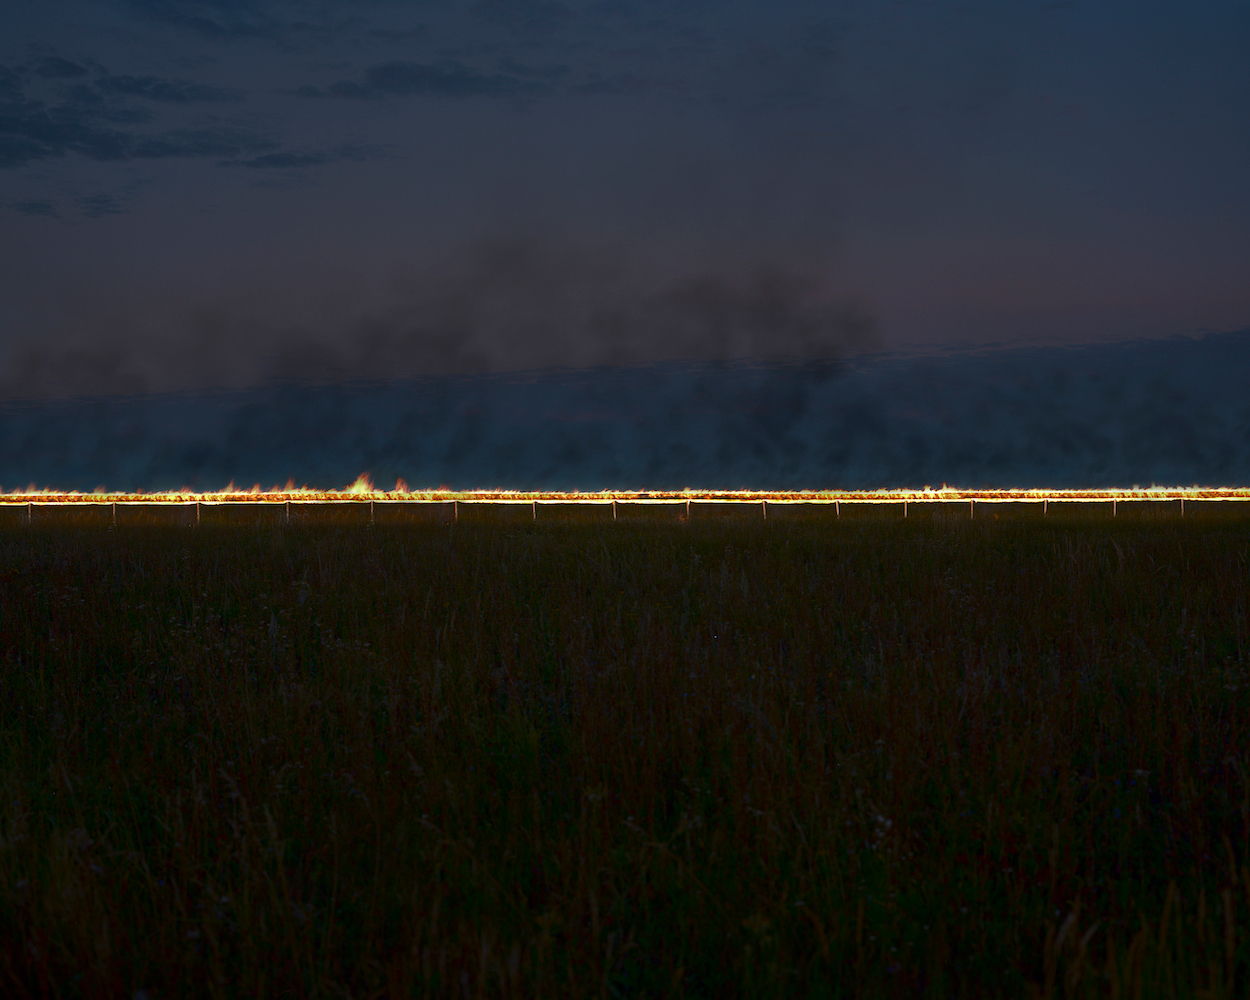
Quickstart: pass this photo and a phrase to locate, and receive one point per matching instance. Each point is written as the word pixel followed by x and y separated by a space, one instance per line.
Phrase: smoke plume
pixel 508 305
pixel 1163 412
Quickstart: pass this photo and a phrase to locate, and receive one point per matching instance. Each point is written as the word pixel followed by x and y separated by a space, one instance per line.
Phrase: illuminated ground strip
pixel 364 492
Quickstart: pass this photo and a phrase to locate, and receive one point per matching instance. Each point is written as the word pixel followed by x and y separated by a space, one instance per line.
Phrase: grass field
pixel 804 757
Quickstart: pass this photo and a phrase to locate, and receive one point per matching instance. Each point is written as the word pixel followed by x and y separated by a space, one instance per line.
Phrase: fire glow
pixel 364 491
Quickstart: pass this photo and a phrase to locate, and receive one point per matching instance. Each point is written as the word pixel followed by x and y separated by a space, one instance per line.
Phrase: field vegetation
pixel 795 757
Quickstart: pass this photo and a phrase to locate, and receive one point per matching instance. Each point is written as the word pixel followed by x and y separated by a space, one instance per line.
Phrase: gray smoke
pixel 510 305
pixel 1164 412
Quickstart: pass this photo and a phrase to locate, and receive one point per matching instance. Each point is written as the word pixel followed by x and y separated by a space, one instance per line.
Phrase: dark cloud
pixel 535 16
pixel 10 83
pixel 56 68
pixel 284 161
pixel 202 142
pixel 285 24
pixel 596 84
pixel 421 31
pixel 514 68
pixel 39 133
pixel 96 205
pixel 220 20
pixel 39 208
pixel 86 119
pixel 448 79
pixel 32 130
pixel 297 160
pixel 613 51
pixel 155 88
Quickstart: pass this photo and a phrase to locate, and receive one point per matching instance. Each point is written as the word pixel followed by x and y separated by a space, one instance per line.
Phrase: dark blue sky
pixel 206 194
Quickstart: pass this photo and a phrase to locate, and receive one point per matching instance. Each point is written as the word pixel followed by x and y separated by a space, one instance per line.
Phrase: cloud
pixel 447 79
pixel 596 84
pixel 44 209
pixel 530 16
pixel 56 68
pixel 614 51
pixel 155 88
pixel 86 119
pixel 455 79
pixel 10 83
pixel 247 20
pixel 96 205
pixel 514 68
pixel 220 20
pixel 284 161
pixel 297 160
pixel 39 135
pixel 400 34
pixel 204 142
pixel 33 130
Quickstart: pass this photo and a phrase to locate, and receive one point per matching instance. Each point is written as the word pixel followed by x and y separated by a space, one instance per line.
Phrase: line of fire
pixel 303 500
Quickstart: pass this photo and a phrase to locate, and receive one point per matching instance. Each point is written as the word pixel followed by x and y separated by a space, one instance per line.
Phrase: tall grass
pixel 836 758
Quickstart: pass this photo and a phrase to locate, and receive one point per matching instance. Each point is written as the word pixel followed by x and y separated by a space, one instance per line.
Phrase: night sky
pixel 624 244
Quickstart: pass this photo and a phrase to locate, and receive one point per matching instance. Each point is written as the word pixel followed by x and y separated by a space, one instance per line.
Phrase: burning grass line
pixel 364 491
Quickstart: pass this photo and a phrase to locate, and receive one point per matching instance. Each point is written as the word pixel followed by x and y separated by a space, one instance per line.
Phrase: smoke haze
pixel 1161 412
pixel 511 305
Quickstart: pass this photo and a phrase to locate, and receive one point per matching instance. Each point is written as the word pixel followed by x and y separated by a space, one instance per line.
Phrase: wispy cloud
pixel 220 20
pixel 299 160
pixel 89 117
pixel 156 88
pixel 95 205
pixel 56 68
pixel 55 108
pixel 447 79
pixel 533 16
pixel 44 209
